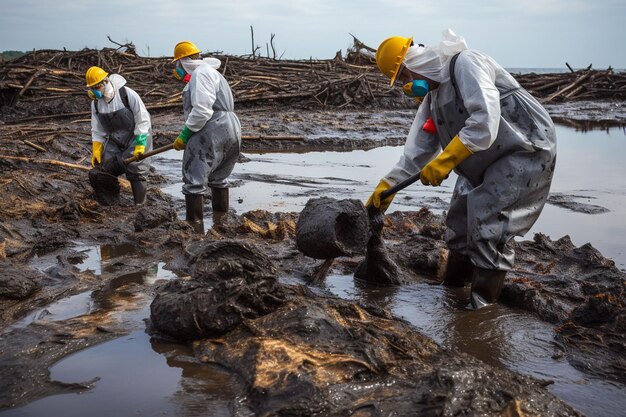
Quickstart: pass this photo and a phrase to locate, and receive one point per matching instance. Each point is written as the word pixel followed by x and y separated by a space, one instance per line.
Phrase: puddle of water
pixel 159 273
pixel 135 378
pixel 97 257
pixel 113 295
pixel 86 302
pixel 64 309
pixel 135 375
pixel 588 164
pixel 501 336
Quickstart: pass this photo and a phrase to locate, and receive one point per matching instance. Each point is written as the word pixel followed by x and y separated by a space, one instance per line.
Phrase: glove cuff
pixel 141 140
pixel 389 182
pixel 458 148
pixel 185 134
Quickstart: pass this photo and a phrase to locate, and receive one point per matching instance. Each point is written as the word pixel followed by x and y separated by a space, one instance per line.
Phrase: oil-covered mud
pixel 377 266
pixel 577 203
pixel 580 290
pixel 232 282
pixel 293 348
pixel 589 114
pixel 328 228
pixel 577 288
pixel 299 353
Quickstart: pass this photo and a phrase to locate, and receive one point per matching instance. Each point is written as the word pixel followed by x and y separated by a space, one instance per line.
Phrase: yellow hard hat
pixel 95 75
pixel 184 49
pixel 390 54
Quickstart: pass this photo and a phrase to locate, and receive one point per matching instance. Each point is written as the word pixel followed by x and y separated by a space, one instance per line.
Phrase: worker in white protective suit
pixel 474 119
pixel 120 126
pixel 211 136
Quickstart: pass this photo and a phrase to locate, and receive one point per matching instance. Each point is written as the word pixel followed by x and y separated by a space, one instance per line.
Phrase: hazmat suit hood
pixel 116 82
pixel 429 61
pixel 190 65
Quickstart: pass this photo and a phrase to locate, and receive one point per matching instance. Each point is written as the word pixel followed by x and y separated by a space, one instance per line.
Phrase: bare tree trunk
pixel 272 44
pixel 252 35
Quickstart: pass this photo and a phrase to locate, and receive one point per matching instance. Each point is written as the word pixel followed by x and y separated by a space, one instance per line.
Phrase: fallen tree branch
pixel 32 145
pixel 45 162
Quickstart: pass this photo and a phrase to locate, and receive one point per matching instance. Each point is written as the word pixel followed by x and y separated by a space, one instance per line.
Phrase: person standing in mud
pixel 120 126
pixel 211 136
pixel 477 120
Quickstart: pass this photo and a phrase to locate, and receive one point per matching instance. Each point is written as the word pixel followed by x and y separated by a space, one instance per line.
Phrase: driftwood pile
pixel 587 84
pixel 49 84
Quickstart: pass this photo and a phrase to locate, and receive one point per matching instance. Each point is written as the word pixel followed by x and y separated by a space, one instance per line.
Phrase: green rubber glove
pixel 439 168
pixel 183 137
pixel 140 144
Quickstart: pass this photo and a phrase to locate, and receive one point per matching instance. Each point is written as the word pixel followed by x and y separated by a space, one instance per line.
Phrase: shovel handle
pixel 400 186
pixel 148 154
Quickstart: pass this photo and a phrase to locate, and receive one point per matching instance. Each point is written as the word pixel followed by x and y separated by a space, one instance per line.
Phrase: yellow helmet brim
pixel 400 60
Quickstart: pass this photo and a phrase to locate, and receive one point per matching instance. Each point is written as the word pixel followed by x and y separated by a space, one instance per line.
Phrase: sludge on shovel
pixel 328 228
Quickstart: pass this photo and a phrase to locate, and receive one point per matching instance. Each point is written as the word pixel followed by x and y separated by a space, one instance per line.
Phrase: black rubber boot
pixel 459 270
pixel 139 191
pixel 486 286
pixel 194 204
pixel 219 199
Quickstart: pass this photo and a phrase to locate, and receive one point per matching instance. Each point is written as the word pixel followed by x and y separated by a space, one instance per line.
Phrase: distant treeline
pixel 9 55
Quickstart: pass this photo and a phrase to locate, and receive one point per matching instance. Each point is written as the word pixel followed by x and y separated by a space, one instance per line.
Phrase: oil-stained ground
pixel 294 350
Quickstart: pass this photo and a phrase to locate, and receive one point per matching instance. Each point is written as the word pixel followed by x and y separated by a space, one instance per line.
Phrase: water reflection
pixel 64 309
pixel 589 164
pixel 96 258
pixel 498 335
pixel 381 296
pixel 203 389
pixel 99 259
pixel 134 378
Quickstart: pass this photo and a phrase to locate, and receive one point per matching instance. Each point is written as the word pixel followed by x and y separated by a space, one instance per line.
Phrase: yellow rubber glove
pixel 139 149
pixel 96 153
pixel 179 145
pixel 375 197
pixel 140 144
pixel 439 168
pixel 183 137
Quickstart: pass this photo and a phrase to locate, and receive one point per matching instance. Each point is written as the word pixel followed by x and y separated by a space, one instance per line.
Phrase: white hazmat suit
pixel 503 186
pixel 213 149
pixel 498 139
pixel 117 120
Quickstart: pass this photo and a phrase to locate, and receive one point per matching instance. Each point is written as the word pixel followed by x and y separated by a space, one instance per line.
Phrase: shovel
pixel 329 228
pixel 401 185
pixel 103 178
pixel 378 267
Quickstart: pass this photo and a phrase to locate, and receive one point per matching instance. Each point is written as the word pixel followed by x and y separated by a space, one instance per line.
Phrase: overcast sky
pixel 517 33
